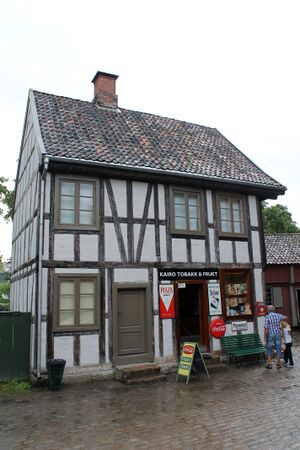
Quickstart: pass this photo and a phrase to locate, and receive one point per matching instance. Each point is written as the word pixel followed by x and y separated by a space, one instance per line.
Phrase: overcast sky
pixel 229 64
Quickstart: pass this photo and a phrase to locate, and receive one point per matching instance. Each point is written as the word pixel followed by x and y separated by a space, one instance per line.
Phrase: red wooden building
pixel 282 276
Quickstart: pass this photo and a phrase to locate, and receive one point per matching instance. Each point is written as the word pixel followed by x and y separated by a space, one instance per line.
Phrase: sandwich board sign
pixel 191 360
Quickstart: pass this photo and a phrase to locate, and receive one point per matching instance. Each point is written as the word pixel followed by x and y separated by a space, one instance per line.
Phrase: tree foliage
pixel 277 219
pixel 6 200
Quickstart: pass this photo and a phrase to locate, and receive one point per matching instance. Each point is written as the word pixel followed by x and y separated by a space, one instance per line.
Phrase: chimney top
pixel 105 89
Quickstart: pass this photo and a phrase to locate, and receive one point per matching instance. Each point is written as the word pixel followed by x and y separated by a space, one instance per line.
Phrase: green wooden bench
pixel 243 345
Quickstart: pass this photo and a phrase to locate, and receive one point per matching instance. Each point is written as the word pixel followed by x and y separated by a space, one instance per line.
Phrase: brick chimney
pixel 105 90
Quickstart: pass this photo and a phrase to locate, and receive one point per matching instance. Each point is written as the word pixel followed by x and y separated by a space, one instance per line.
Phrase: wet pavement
pixel 241 408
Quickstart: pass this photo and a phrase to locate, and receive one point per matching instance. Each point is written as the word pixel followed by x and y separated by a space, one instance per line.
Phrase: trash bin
pixel 56 369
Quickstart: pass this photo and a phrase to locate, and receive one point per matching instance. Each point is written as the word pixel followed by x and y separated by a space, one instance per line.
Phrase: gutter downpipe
pixel 40 269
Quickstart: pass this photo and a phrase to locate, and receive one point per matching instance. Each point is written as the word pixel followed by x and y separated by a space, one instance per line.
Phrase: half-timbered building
pixel 131 232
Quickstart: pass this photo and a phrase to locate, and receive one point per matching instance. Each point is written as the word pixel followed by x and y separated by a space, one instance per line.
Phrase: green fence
pixel 14 345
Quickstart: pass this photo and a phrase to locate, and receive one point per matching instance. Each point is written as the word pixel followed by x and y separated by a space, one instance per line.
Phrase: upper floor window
pixel 186 211
pixel 76 302
pixel 76 203
pixel 274 296
pixel 231 215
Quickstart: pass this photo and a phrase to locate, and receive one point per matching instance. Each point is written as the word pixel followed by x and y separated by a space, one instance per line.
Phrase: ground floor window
pixel 274 296
pixel 76 304
pixel 236 293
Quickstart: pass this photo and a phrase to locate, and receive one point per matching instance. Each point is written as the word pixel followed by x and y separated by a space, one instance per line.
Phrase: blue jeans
pixel 273 340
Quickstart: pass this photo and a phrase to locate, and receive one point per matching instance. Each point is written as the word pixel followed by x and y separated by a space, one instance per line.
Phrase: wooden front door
pixel 132 324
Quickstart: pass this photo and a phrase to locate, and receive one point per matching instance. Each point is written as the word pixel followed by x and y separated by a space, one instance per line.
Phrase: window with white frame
pixel 274 296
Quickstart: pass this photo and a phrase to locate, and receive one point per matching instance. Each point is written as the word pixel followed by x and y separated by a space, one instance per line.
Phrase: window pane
pixel 87 287
pixel 226 226
pixel 86 203
pixel 180 223
pixel 67 202
pixel 86 189
pixel 238 227
pixel 86 218
pixel 179 210
pixel 67 287
pixel 224 203
pixel 66 303
pixel 194 224
pixel 67 188
pixel 67 217
pixel 225 214
pixel 178 198
pixel 66 318
pixel 86 317
pixel 86 301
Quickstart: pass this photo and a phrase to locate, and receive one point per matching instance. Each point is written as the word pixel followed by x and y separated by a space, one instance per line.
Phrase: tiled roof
pixel 81 130
pixel 283 248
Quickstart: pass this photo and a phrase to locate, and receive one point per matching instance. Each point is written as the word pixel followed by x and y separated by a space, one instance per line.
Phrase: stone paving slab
pixel 242 408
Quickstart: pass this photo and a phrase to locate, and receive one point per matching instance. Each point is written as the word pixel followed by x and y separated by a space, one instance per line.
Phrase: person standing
pixel 273 335
pixel 288 357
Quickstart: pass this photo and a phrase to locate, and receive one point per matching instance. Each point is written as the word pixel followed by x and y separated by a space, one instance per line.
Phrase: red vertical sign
pixel 166 301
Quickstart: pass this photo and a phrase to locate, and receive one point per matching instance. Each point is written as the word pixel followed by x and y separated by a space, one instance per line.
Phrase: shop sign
pixel 188 274
pixel 217 328
pixel 166 301
pixel 239 326
pixel 191 358
pixel 214 299
pixel 181 285
pixel 260 309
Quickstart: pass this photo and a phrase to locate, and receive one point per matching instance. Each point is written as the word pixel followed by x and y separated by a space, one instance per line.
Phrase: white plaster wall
pixel 75 271
pixel 139 191
pixel 64 247
pixel 260 324
pixel 253 210
pixel 46 239
pixel 148 249
pixel 47 193
pixel 161 202
pixel 112 252
pixel 119 190
pixel 179 250
pixel 131 276
pixel 63 349
pixel 242 252
pixel 210 214
pixel 89 350
pixel 43 345
pixel 88 247
pixel 258 285
pixel 167 338
pixel 226 253
pixel 198 250
pixel 163 243
pixel 256 247
pixel 211 236
pixel 107 208
pixel 44 290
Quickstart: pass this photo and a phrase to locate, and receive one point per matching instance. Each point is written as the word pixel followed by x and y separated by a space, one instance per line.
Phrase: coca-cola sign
pixel 217 328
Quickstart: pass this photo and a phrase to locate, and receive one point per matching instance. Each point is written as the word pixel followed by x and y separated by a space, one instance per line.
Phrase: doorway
pixel 132 324
pixel 192 315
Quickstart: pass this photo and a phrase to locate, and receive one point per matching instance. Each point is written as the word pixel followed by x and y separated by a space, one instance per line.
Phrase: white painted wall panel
pixel 226 253
pixel 148 249
pixel 211 237
pixel 242 252
pixel 64 348
pixel 253 210
pixel 77 271
pixel 89 350
pixel 131 275
pixel 88 247
pixel 112 252
pixel 47 193
pixel 161 202
pixel 210 214
pixel 139 191
pixel 167 338
pixel 107 208
pixel 44 345
pixel 256 246
pixel 44 290
pixel 64 247
pixel 179 250
pixel 46 239
pixel 163 243
pixel 258 285
pixel 198 250
pixel 119 190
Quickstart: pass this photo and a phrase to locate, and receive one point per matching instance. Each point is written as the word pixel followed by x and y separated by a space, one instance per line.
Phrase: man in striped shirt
pixel 273 335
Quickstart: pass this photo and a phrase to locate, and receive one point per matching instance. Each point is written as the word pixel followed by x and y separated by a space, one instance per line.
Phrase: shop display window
pixel 237 294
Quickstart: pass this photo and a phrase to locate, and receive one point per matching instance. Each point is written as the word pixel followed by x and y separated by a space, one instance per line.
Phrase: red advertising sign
pixel 166 301
pixel 261 309
pixel 217 328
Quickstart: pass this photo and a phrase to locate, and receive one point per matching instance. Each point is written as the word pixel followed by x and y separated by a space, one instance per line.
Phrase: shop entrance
pixel 192 315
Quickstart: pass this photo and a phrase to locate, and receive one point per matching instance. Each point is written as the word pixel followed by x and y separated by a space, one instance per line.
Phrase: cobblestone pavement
pixel 242 408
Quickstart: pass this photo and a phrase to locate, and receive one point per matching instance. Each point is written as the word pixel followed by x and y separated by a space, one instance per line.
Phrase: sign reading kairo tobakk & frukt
pixel 188 274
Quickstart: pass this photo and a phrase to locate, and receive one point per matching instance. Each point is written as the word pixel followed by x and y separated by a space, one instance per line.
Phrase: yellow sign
pixel 191 359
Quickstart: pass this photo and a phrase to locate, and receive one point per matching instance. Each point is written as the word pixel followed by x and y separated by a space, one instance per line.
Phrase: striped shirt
pixel 272 322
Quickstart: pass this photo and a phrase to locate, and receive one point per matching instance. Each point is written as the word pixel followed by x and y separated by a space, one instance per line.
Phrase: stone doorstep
pixel 146 379
pixel 131 372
